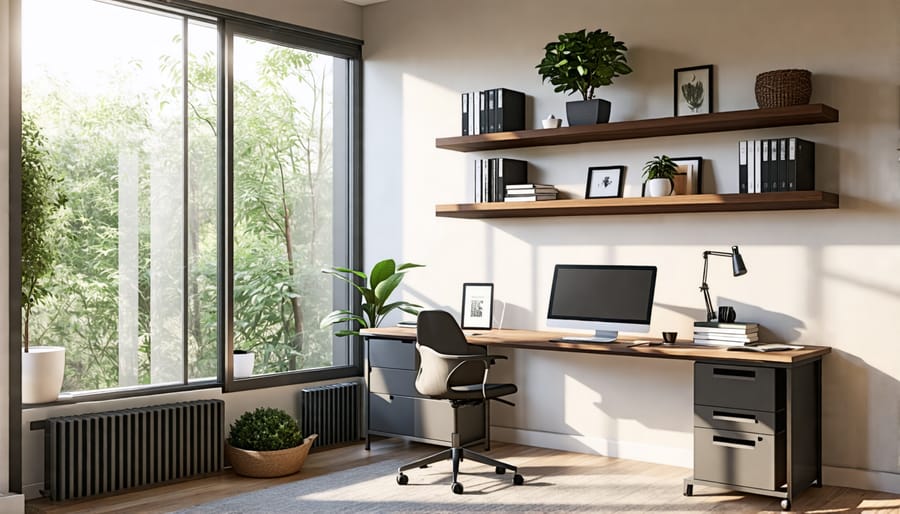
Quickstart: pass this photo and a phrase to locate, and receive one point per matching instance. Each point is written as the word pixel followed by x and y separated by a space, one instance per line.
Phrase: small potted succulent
pixel 581 62
pixel 659 173
pixel 267 443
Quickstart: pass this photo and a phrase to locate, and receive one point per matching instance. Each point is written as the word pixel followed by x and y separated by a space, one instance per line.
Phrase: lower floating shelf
pixel 781 201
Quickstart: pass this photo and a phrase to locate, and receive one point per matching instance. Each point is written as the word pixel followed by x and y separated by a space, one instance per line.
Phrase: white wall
pixel 4 246
pixel 817 277
pixel 334 16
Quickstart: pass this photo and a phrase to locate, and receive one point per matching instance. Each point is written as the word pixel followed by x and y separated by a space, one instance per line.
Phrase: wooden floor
pixel 194 492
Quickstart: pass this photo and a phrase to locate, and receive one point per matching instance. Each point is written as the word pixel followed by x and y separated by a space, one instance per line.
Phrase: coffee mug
pixel 727 314
pixel 669 337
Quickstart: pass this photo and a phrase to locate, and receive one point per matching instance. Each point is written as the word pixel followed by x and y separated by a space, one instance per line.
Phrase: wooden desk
pixel 757 416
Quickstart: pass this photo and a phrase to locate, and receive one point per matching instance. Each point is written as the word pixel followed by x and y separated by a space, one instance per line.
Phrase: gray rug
pixel 372 488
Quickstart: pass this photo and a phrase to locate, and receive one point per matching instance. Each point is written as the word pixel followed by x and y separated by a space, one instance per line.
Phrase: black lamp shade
pixel 737 262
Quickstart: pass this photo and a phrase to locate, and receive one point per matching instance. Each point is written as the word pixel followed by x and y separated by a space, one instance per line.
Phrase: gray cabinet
pixel 757 428
pixel 396 409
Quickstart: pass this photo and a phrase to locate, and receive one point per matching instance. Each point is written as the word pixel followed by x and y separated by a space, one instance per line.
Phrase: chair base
pixel 456 455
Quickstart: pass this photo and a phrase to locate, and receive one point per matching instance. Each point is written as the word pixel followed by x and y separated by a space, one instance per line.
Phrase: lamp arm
pixel 710 312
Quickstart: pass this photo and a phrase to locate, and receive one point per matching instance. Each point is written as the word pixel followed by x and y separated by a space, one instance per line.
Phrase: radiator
pixel 332 411
pixel 106 452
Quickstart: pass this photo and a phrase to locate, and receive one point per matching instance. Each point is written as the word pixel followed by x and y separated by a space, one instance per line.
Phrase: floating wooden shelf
pixel 636 129
pixel 791 200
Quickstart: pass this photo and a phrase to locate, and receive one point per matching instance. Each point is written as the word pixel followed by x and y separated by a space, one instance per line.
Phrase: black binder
pixel 510 110
pixel 801 165
pixel 742 167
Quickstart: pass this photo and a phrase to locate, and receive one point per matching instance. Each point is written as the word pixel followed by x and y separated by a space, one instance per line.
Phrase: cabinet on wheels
pixel 396 409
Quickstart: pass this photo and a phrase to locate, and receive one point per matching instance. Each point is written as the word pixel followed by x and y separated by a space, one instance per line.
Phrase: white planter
pixel 243 364
pixel 42 373
pixel 659 187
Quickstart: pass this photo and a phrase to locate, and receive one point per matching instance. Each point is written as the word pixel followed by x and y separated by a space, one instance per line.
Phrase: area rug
pixel 372 488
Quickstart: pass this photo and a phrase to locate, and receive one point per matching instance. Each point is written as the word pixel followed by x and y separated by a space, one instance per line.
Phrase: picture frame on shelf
pixel 693 90
pixel 688 180
pixel 605 182
pixel 477 306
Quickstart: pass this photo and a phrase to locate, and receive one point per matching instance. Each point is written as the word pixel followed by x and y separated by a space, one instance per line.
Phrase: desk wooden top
pixel 544 340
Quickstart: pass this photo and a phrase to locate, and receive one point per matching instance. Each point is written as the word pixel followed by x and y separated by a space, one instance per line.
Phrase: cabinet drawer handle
pixel 741 444
pixel 734 416
pixel 734 374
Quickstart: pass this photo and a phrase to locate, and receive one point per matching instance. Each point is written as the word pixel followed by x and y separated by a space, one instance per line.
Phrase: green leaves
pixel 265 429
pixel 660 167
pixel 376 289
pixel 582 61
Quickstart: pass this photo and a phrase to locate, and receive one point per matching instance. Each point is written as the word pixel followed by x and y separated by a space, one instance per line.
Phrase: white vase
pixel 243 364
pixel 659 187
pixel 42 373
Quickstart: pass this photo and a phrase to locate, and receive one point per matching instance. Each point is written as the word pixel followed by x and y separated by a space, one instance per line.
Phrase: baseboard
pixel 682 457
pixel 10 502
pixel 861 479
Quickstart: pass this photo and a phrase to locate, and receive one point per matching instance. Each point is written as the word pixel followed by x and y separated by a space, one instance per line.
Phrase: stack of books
pixel 492 110
pixel 529 192
pixel 769 165
pixel 492 176
pixel 725 334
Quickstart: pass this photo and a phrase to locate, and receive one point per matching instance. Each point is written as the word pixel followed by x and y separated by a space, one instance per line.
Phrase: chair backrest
pixel 438 333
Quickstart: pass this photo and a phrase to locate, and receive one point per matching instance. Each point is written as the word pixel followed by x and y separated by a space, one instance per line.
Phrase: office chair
pixel 452 369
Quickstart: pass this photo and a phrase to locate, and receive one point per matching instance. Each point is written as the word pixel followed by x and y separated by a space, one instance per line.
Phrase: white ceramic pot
pixel 42 373
pixel 659 187
pixel 243 364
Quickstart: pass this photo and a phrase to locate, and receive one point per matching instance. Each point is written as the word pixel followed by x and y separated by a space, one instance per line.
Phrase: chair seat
pixel 474 391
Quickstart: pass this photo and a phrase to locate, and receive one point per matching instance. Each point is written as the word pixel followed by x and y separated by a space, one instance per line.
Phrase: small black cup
pixel 727 314
pixel 669 337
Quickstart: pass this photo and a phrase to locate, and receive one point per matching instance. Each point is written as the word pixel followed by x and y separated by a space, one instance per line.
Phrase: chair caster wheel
pixel 499 470
pixel 785 504
pixel 402 479
pixel 518 480
pixel 457 488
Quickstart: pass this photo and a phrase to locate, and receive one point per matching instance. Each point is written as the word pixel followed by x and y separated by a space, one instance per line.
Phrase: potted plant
pixel 267 443
pixel 581 62
pixel 243 363
pixel 42 366
pixel 375 291
pixel 659 174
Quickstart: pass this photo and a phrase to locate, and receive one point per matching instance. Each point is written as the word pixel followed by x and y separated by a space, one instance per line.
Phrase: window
pixel 192 225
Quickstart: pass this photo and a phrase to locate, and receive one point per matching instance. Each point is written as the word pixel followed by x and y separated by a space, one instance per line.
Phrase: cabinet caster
pixel 402 479
pixel 518 480
pixel 457 488
pixel 785 504
pixel 689 489
pixel 499 470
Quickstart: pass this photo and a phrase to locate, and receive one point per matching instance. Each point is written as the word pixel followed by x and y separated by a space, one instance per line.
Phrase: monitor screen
pixel 605 298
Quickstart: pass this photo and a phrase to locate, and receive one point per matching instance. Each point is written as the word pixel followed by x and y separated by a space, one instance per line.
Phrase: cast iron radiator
pixel 333 412
pixel 104 452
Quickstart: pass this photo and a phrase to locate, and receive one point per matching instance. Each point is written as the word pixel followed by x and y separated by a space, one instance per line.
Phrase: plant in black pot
pixel 267 443
pixel 659 174
pixel 581 62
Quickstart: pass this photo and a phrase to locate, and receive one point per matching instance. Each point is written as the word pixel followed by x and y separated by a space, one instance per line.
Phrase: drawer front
pixel 424 418
pixel 739 458
pixel 392 353
pixel 393 381
pixel 742 420
pixel 741 387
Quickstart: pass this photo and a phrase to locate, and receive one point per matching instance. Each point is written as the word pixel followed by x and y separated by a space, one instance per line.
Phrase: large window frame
pixel 347 213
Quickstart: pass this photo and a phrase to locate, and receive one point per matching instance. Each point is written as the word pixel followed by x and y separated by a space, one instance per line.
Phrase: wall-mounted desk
pixel 757 416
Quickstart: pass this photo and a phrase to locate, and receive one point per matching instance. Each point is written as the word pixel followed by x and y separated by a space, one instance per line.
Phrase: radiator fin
pixel 333 412
pixel 105 452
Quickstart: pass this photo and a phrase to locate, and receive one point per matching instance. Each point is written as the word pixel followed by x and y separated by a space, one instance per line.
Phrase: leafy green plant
pixel 583 61
pixel 375 291
pixel 662 166
pixel 265 429
pixel 41 200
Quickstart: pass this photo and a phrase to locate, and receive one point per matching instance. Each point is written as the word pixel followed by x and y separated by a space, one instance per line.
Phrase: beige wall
pixel 334 16
pixel 816 277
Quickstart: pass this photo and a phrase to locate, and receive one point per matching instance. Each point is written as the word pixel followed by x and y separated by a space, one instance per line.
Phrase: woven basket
pixel 781 88
pixel 276 463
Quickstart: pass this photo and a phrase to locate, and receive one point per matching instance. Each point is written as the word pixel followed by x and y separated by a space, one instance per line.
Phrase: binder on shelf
pixel 510 110
pixel 764 174
pixel 482 112
pixel 491 110
pixel 507 171
pixel 742 167
pixel 751 178
pixel 782 165
pixel 757 165
pixel 773 165
pixel 479 190
pixel 801 165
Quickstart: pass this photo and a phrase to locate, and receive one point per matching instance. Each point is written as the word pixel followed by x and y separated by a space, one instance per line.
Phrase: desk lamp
pixel 737 263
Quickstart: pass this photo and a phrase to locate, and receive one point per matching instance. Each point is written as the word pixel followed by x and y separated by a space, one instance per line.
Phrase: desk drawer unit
pixel 742 420
pixel 739 458
pixel 396 409
pixel 743 387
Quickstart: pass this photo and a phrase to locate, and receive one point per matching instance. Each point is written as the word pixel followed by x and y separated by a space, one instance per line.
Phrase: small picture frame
pixel 689 180
pixel 477 306
pixel 694 90
pixel 604 182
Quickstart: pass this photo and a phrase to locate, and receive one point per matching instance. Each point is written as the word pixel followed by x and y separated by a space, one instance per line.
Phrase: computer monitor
pixel 604 298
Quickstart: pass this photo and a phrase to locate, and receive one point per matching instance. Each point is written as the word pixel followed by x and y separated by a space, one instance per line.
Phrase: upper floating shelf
pixel 780 201
pixel 636 129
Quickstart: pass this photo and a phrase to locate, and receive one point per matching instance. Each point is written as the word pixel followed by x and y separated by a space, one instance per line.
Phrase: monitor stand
pixel 600 336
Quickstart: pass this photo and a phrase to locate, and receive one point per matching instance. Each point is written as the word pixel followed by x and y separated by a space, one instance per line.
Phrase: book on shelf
pixel 530 198
pixel 542 190
pixel 511 187
pixel 493 175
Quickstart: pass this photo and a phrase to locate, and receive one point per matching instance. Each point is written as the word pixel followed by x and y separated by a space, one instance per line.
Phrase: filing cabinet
pixel 396 409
